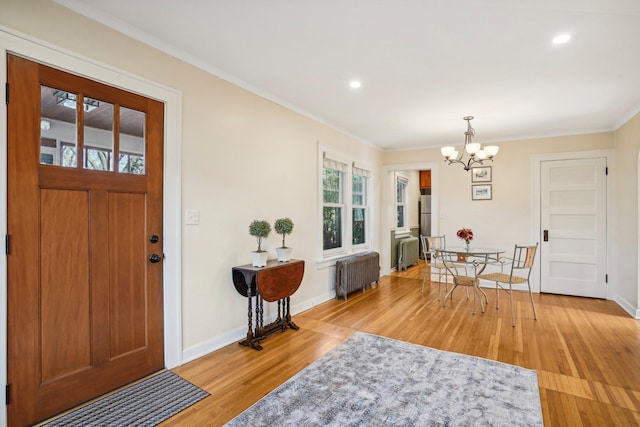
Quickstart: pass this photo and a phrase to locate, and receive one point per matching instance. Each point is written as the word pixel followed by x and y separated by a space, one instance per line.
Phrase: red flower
pixel 465 234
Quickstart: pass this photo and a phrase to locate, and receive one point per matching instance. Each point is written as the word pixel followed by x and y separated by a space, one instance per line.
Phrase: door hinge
pixel 6 92
pixel 6 244
pixel 606 278
pixel 8 393
pixel 606 170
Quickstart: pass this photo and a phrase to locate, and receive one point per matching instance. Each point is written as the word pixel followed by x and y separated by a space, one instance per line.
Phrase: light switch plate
pixel 192 217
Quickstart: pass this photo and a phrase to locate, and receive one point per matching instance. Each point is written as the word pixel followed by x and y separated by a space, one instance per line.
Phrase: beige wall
pixel 507 218
pixel 627 144
pixel 243 158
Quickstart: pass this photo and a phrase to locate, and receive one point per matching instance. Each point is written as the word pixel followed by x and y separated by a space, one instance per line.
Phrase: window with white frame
pixel 360 206
pixel 345 206
pixel 333 207
pixel 401 201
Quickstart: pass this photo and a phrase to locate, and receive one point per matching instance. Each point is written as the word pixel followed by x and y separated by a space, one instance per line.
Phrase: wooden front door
pixel 85 309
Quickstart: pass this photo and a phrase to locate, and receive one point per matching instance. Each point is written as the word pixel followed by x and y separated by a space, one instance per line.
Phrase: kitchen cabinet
pixel 425 179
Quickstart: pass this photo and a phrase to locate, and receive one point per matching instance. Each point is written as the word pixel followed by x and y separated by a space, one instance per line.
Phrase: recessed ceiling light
pixel 561 38
pixel 355 84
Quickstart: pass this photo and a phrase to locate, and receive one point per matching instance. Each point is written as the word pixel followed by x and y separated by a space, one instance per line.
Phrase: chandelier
pixel 476 153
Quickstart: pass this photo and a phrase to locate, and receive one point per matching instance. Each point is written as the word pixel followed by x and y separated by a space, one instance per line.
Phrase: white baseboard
pixel 306 305
pixel 239 334
pixel 197 351
pixel 627 306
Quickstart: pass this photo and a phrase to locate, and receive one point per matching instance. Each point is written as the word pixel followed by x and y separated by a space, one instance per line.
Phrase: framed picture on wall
pixel 481 174
pixel 481 192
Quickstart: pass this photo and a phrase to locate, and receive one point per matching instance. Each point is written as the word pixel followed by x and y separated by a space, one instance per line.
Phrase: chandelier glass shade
pixel 474 150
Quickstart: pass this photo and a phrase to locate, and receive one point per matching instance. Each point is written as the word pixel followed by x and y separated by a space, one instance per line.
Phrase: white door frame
pixel 388 205
pixel 46 53
pixel 536 164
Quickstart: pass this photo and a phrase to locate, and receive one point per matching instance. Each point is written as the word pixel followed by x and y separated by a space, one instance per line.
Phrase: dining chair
pixel 521 265
pixel 458 265
pixel 431 246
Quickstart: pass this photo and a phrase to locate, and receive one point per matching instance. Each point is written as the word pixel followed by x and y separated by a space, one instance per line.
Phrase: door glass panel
pixel 131 155
pixel 98 134
pixel 58 127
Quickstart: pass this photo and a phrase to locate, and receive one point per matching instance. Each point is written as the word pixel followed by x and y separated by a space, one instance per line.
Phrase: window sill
pixel 402 233
pixel 330 261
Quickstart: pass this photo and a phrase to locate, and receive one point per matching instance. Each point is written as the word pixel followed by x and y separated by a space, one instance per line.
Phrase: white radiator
pixel 407 252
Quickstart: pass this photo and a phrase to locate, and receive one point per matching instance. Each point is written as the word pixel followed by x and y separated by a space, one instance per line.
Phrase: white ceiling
pixel 424 64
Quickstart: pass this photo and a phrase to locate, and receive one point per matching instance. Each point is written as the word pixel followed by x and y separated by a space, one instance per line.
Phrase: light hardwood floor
pixel 586 351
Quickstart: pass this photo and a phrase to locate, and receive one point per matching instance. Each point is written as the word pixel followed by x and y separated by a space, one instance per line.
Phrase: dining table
pixel 459 260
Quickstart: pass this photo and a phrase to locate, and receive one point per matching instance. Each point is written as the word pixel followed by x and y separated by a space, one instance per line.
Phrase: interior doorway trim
pixel 46 53
pixel 388 206
pixel 536 164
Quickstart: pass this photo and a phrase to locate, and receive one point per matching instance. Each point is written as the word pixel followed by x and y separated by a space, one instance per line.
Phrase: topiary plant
pixel 283 226
pixel 259 229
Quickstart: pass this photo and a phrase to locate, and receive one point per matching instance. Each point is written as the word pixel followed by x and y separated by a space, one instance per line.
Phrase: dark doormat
pixel 146 403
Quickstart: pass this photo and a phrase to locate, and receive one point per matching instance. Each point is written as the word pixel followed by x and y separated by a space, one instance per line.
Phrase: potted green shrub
pixel 259 229
pixel 283 226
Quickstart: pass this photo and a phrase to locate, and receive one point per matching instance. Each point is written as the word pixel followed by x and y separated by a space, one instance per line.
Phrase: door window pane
pixel 98 134
pixel 58 126
pixel 131 134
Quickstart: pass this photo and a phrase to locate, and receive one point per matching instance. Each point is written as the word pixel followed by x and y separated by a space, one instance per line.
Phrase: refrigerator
pixel 425 214
pixel 424 218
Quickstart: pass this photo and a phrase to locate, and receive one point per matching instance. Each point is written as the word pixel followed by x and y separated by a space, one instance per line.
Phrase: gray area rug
pixel 374 381
pixel 146 403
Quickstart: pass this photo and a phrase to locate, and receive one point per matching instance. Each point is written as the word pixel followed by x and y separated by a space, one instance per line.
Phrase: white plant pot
pixel 259 258
pixel 284 254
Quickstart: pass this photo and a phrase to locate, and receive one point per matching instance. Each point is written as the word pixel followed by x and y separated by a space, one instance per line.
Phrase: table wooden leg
pixel 252 339
pixel 260 316
pixel 288 315
pixel 281 320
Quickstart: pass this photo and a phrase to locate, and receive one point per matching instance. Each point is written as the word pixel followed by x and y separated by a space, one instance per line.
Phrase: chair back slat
pixel 435 242
pixel 521 266
pixel 431 245
pixel 424 240
pixel 524 256
pixel 531 253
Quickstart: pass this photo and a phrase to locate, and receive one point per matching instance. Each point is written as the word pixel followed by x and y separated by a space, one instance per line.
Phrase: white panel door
pixel 573 216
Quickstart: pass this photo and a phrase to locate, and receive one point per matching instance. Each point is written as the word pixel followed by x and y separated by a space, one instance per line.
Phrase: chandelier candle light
pixel 476 152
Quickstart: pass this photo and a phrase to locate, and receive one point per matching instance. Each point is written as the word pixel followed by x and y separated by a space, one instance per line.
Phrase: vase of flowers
pixel 466 234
